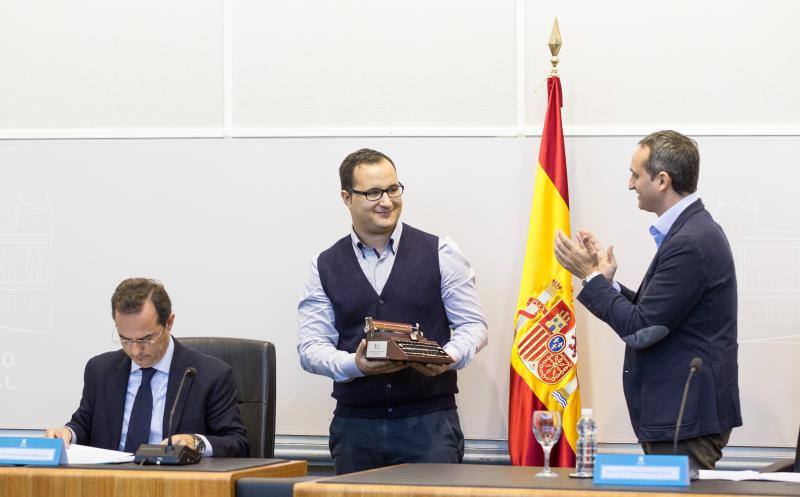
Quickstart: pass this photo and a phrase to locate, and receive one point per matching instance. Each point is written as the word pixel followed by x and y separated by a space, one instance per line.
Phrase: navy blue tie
pixel 141 414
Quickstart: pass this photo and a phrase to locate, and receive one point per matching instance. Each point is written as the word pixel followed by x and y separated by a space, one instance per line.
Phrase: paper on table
pixel 83 454
pixel 707 474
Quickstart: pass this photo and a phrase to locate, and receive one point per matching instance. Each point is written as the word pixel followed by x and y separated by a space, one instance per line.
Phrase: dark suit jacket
pixel 208 403
pixel 690 288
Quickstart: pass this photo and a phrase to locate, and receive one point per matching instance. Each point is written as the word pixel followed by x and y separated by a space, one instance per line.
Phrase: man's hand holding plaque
pixel 429 369
pixel 401 343
pixel 371 366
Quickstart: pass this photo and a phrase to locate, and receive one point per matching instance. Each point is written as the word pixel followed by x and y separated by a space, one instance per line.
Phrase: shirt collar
pixel 663 224
pixel 163 364
pixel 393 244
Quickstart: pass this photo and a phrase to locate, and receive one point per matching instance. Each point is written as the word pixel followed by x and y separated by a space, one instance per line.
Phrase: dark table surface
pixel 478 475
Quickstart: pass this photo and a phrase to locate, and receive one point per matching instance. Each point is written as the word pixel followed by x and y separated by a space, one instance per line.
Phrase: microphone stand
pixel 694 367
pixel 189 373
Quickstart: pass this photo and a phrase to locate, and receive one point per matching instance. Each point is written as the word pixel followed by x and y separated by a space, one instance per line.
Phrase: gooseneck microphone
pixel 189 373
pixel 169 454
pixel 694 367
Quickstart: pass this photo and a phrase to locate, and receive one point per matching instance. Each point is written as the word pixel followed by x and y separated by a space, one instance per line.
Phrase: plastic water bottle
pixel 586 446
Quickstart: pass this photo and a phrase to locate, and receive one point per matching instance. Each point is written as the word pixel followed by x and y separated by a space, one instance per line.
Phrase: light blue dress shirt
pixel 663 224
pixel 317 332
pixel 660 229
pixel 159 387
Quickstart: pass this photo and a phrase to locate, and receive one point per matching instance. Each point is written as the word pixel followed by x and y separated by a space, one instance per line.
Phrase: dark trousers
pixel 357 444
pixel 704 451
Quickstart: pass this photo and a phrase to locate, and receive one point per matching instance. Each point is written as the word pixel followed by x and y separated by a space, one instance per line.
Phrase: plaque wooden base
pixel 401 342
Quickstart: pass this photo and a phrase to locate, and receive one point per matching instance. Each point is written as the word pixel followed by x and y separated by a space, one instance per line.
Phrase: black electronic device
pixel 170 455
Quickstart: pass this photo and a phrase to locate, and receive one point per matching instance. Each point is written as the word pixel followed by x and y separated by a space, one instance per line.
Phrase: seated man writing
pixel 128 393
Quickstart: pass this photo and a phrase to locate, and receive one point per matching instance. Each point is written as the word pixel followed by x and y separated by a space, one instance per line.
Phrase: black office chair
pixel 783 465
pixel 253 363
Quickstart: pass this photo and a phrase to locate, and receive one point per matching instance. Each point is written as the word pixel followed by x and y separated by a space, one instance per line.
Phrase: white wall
pixel 112 67
pixel 366 67
pixel 230 224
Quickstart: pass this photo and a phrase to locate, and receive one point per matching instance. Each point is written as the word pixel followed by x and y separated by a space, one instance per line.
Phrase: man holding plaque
pixel 683 314
pixel 388 411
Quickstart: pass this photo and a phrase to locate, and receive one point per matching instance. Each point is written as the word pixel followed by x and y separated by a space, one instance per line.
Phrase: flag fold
pixel 544 355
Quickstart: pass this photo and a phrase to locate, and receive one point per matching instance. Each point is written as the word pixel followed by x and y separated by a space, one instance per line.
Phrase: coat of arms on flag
pixel 546 345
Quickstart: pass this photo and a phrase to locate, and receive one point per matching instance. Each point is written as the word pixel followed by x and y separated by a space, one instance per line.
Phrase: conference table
pixel 475 480
pixel 212 477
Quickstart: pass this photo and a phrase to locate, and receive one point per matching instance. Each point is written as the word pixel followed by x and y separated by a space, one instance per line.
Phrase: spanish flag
pixel 544 357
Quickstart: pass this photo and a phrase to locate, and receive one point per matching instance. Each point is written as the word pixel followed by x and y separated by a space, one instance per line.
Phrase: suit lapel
pixel 116 390
pixel 690 211
pixel 176 370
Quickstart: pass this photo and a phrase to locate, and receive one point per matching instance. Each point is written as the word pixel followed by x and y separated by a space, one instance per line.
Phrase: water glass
pixel 546 427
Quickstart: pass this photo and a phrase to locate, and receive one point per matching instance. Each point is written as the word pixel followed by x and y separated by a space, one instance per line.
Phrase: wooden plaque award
pixel 401 342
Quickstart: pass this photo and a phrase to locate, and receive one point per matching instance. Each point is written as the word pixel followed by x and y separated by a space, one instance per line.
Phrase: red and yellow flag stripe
pixel 544 357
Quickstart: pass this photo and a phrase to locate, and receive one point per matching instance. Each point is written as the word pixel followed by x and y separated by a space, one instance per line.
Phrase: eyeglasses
pixel 374 194
pixel 130 342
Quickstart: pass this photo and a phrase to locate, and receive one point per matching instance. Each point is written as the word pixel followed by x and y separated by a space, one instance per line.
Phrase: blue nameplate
pixel 28 450
pixel 632 469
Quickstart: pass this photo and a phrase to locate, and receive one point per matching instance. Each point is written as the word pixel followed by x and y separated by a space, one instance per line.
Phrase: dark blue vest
pixel 412 294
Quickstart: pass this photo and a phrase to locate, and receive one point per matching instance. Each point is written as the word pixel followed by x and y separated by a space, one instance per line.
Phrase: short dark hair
pixel 675 154
pixel 131 295
pixel 357 158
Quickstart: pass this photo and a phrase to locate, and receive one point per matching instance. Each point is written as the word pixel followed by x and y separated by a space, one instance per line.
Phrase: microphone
pixel 169 454
pixel 694 367
pixel 189 373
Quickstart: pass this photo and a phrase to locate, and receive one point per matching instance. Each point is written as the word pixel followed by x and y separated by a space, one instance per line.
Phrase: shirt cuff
pixel 209 449
pixel 589 277
pixel 350 369
pixel 74 439
pixel 458 357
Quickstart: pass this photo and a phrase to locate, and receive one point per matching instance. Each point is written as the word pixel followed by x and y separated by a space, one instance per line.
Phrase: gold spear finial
pixel 555 46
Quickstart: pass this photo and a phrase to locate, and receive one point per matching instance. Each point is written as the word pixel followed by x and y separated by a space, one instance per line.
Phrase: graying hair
pixel 675 154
